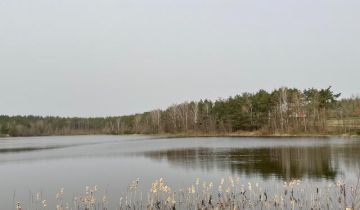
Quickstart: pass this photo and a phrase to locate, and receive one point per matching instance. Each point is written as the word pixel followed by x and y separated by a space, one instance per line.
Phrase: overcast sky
pixel 115 57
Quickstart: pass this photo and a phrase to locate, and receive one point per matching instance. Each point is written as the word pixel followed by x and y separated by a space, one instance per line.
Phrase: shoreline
pixel 189 135
pixel 255 135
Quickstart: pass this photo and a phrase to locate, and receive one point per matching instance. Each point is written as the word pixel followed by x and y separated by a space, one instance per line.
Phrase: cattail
pixel 231 195
pixel 44 203
pixel 18 206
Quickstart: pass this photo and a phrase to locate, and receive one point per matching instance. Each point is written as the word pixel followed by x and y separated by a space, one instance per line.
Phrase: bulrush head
pixel 18 206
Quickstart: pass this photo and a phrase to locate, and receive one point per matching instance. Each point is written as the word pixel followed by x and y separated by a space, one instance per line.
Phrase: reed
pixel 231 193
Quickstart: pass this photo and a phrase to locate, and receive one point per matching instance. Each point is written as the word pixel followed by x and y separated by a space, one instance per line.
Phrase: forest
pixel 281 111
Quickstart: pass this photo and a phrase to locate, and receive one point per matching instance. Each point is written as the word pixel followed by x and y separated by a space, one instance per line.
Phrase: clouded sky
pixel 115 57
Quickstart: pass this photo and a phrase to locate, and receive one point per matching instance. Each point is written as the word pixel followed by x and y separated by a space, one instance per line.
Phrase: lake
pixel 46 164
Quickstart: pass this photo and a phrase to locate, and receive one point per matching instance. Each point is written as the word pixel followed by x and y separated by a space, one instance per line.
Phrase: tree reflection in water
pixel 319 162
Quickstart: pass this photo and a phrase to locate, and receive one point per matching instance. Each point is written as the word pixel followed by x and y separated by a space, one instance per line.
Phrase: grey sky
pixel 114 57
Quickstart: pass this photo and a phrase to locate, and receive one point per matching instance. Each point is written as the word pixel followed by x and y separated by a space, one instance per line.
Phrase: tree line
pixel 283 110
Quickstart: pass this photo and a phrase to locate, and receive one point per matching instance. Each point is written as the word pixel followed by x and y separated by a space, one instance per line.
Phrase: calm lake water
pixel 46 164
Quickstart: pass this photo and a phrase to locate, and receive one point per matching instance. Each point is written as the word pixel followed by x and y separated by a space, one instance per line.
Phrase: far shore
pixel 188 135
pixel 252 134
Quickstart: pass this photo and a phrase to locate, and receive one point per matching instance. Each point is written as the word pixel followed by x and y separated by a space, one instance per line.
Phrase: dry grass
pixel 231 193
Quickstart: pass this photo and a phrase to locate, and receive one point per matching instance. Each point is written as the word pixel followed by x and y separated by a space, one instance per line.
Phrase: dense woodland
pixel 282 111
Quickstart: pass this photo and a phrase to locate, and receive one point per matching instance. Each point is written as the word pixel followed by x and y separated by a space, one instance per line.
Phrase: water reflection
pixel 282 162
pixel 48 163
pixel 285 158
pixel 28 149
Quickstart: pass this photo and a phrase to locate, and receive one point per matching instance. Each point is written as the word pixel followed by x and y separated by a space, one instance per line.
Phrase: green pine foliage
pixel 281 111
